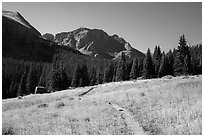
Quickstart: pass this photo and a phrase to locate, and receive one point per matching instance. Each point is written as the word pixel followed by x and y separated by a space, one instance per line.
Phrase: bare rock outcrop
pixel 97 43
pixel 49 37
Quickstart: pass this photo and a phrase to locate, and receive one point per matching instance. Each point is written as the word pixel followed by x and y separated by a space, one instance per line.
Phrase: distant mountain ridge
pixel 21 40
pixel 97 43
pixel 17 17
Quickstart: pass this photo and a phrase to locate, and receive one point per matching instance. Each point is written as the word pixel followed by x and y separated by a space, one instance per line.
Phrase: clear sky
pixel 143 25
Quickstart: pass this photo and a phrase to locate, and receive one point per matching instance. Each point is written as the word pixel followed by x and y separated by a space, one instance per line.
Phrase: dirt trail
pixel 132 124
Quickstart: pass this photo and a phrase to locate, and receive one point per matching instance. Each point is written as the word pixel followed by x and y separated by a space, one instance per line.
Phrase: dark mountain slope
pixel 22 41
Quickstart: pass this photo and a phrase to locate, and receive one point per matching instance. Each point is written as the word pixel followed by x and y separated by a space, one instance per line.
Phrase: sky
pixel 143 25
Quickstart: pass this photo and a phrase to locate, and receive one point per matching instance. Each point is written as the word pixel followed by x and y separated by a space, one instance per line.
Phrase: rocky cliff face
pixel 97 43
pixel 49 36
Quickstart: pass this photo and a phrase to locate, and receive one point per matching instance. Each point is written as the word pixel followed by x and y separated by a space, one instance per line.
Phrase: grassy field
pixel 156 106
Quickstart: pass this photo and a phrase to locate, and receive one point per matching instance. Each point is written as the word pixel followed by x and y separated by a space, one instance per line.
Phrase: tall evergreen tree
pixel 76 76
pixel 187 64
pixel 59 80
pixel 182 63
pixel 157 59
pixel 127 69
pixel 92 77
pixel 170 57
pixel 120 71
pixel 140 67
pixel 108 73
pixel 43 79
pixel 135 69
pixel 22 85
pixel 64 82
pixel 163 70
pixel 31 79
pixel 84 77
pixel 99 75
pixel 149 69
pixel 5 85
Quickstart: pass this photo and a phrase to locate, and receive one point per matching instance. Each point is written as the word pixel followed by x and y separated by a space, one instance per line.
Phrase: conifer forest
pixel 66 69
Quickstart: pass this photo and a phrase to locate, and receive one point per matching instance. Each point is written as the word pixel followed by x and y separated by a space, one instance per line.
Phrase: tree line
pixel 20 77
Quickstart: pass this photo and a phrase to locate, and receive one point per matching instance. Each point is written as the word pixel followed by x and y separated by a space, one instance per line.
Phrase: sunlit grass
pixel 159 106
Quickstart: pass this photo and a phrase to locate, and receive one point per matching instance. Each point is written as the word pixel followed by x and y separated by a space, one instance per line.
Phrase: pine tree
pixel 127 69
pixel 84 77
pixel 114 72
pixel 99 75
pixel 31 80
pixel 135 69
pixel 76 76
pixel 187 65
pixel 200 66
pixel 92 77
pixel 64 83
pixel 41 81
pixel 149 71
pixel 120 71
pixel 12 89
pixel 157 59
pixel 59 80
pixel 163 70
pixel 108 74
pixel 182 63
pixel 5 85
pixel 22 85
pixel 81 82
pixel 170 57
pixel 140 67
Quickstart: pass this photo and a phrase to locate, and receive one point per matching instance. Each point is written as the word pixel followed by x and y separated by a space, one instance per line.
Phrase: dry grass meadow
pixel 154 107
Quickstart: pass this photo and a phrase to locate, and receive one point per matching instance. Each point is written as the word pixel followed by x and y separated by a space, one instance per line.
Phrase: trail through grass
pixel 131 123
pixel 155 106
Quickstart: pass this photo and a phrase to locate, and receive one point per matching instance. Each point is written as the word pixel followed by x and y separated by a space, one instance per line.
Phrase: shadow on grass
pixel 7 129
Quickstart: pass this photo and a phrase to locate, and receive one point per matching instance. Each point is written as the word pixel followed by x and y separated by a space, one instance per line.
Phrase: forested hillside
pixel 20 77
pixel 29 60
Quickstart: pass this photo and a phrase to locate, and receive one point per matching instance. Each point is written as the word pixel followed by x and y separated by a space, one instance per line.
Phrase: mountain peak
pixel 96 42
pixel 17 17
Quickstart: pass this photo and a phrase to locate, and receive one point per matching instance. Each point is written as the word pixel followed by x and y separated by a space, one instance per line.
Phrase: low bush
pixel 60 104
pixel 42 105
pixel 7 129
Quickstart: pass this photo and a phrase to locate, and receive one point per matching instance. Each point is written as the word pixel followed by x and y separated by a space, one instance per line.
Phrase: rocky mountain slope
pixel 97 43
pixel 21 40
pixel 49 36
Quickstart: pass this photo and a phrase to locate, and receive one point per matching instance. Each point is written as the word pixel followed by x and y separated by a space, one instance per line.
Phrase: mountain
pixel 21 24
pixel 49 36
pixel 21 40
pixel 97 43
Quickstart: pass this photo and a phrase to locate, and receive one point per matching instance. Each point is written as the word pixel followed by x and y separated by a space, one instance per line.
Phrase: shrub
pixel 20 97
pixel 7 129
pixel 60 104
pixel 142 94
pixel 42 105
